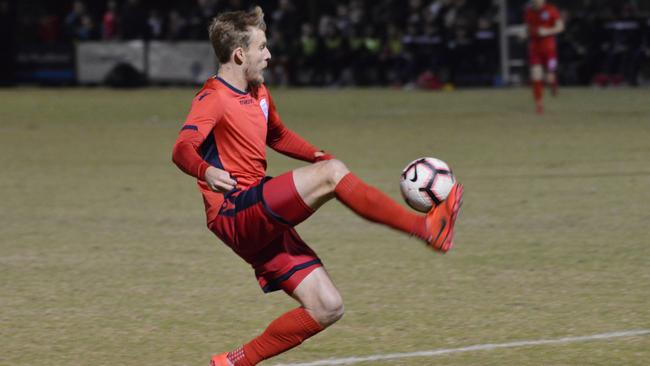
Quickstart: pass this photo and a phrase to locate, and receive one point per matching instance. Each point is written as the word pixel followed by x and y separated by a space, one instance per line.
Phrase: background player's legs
pixel 321 306
pixel 536 76
pixel 320 182
pixel 551 78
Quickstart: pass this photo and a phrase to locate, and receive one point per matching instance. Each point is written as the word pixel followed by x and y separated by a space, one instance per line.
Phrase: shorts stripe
pixel 275 284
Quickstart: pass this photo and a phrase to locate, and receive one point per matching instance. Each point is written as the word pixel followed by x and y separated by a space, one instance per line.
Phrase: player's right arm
pixel 204 115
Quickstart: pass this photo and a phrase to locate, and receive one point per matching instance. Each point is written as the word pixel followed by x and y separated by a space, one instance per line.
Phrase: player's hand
pixel 544 31
pixel 322 156
pixel 219 180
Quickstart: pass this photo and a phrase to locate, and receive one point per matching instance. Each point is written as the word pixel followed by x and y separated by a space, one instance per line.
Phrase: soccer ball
pixel 426 182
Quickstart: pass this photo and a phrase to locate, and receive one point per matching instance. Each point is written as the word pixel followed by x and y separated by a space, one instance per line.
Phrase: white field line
pixel 478 347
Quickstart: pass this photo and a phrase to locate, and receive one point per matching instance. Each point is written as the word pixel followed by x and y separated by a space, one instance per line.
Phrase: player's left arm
pixel 558 25
pixel 287 142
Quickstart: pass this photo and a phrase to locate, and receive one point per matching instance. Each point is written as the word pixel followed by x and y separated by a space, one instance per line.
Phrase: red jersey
pixel 229 129
pixel 545 17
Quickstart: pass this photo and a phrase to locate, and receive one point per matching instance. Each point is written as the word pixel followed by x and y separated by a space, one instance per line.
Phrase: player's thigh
pixel 551 62
pixel 318 294
pixel 315 183
pixel 283 202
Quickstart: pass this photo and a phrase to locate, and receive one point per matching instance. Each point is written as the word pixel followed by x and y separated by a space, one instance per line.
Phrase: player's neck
pixel 233 77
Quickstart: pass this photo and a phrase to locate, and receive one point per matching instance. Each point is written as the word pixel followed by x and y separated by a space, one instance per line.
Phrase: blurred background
pixel 426 44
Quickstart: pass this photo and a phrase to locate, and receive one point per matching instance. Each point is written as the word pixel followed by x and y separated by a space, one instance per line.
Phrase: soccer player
pixel 544 23
pixel 222 143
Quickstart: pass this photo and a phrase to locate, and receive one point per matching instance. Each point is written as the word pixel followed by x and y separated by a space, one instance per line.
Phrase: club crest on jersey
pixel 545 15
pixel 265 108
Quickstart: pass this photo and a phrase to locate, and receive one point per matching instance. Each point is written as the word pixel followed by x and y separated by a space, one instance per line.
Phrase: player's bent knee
pixel 536 72
pixel 335 171
pixel 330 312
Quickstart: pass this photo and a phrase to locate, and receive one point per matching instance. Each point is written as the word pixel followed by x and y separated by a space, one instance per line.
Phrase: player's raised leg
pixel 320 182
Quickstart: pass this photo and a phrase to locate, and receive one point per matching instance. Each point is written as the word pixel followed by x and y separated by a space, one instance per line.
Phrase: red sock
pixel 284 333
pixel 538 89
pixel 371 204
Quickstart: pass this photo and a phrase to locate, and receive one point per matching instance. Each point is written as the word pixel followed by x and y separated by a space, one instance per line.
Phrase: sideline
pixel 479 347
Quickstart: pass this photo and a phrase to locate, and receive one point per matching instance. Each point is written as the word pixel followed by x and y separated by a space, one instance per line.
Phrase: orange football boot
pixel 220 360
pixel 442 218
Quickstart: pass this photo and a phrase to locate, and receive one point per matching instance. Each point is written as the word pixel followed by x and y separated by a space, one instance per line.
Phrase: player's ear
pixel 238 55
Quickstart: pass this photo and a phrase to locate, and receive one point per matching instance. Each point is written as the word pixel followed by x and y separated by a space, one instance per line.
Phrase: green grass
pixel 105 258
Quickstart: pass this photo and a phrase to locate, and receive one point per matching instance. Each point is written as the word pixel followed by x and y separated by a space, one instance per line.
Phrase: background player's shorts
pixel 544 55
pixel 257 223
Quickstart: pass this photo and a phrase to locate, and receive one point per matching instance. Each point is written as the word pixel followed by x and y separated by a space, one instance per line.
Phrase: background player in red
pixel 544 23
pixel 223 142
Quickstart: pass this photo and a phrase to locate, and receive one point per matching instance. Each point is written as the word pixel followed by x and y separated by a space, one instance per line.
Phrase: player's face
pixel 257 57
pixel 538 3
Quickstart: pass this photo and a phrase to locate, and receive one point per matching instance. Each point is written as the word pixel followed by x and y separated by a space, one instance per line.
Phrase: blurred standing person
pixel 544 23
pixel 176 26
pixel 333 57
pixel 487 52
pixel 155 24
pixel 286 18
pixel 73 19
pixel 109 21
pixel 393 56
pixel 87 30
pixel 308 53
pixel 199 18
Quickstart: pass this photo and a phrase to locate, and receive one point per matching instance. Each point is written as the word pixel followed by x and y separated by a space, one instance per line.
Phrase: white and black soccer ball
pixel 426 182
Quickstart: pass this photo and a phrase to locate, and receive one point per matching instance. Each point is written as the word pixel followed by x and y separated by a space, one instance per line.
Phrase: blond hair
pixel 231 30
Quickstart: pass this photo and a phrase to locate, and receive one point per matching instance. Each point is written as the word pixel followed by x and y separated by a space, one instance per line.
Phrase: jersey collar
pixel 231 87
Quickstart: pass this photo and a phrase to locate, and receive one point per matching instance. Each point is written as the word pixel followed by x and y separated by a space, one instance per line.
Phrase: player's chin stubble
pixel 254 79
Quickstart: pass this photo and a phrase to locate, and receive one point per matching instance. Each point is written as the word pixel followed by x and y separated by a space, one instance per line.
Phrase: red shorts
pixel 257 224
pixel 544 54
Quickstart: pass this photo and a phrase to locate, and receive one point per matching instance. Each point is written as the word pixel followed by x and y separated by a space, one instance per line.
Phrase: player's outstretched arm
pixel 286 142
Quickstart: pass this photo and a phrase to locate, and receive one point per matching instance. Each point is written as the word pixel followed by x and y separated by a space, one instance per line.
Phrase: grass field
pixel 105 259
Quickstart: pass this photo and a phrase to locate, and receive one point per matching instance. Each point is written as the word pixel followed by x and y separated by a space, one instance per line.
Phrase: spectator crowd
pixel 428 43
